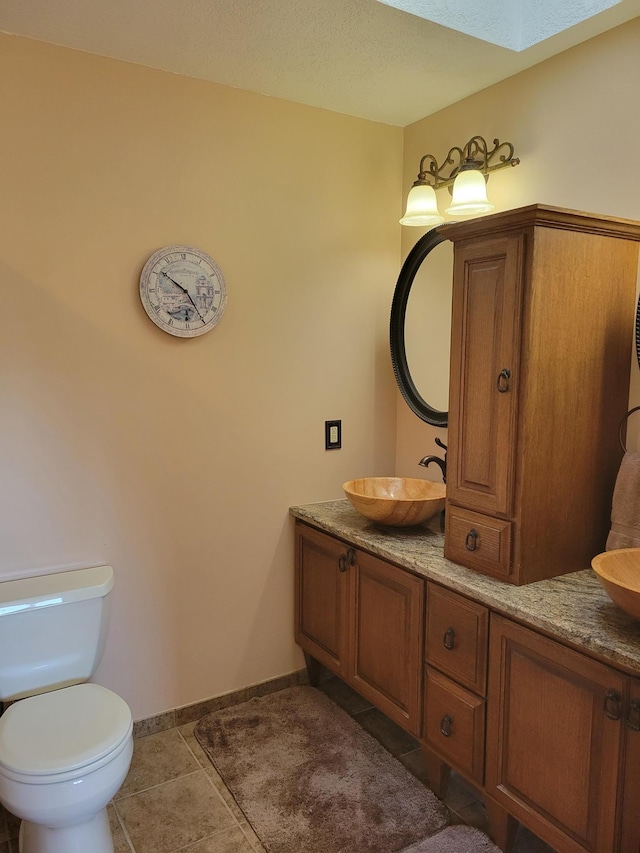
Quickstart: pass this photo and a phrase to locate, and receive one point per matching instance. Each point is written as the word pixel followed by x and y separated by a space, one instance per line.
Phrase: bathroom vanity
pixel 532 693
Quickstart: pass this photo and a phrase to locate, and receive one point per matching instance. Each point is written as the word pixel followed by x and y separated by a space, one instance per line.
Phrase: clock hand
pixel 184 290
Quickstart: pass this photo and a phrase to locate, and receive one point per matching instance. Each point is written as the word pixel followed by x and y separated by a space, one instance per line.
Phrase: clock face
pixel 183 291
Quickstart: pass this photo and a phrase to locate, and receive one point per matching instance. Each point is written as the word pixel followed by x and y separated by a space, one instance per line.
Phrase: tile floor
pixel 174 800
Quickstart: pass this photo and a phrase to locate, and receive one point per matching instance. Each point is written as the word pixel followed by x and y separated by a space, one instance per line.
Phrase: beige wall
pixel 575 123
pixel 176 460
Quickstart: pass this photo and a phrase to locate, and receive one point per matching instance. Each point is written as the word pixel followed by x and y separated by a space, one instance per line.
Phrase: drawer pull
pixel 613 705
pixel 471 541
pixel 449 639
pixel 351 557
pixel 342 563
pixel 633 717
pixel 503 380
pixel 445 725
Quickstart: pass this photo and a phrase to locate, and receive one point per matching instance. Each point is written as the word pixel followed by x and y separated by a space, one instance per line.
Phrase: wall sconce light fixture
pixel 466 170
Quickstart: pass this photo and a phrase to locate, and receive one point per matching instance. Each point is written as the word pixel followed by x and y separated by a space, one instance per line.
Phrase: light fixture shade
pixel 422 207
pixel 470 194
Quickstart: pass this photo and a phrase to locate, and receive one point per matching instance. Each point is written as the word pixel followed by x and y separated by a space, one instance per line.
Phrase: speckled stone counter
pixel 573 607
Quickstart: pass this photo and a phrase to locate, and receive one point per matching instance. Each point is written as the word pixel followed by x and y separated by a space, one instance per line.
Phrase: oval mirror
pixel 420 328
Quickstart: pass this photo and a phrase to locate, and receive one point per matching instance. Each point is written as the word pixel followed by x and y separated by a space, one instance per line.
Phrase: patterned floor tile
pixel 12 826
pixel 174 814
pixel 186 731
pixel 229 841
pixel 253 838
pixel 120 843
pixel 415 764
pixel 527 842
pixel 459 793
pixel 156 759
pixel 389 734
pixel 344 696
pixel 225 793
pixel 475 815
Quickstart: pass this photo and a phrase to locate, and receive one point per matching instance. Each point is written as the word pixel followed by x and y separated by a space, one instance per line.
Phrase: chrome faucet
pixel 441 463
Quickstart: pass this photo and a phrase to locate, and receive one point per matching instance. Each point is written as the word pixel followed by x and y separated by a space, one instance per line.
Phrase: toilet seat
pixel 63 734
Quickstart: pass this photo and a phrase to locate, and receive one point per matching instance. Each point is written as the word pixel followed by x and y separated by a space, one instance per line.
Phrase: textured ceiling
pixel 359 57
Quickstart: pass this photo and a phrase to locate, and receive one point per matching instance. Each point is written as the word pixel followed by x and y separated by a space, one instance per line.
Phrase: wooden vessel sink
pixel 619 573
pixel 396 501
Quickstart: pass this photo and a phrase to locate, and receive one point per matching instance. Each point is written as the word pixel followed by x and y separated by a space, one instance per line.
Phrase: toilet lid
pixel 63 730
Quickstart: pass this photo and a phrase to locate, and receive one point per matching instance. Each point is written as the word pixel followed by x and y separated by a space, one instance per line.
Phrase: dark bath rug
pixel 309 778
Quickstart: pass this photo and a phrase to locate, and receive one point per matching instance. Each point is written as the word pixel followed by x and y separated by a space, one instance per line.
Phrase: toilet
pixel 66 746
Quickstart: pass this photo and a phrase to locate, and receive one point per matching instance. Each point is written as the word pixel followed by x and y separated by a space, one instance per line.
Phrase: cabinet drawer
pixel 478 541
pixel 457 637
pixel 454 725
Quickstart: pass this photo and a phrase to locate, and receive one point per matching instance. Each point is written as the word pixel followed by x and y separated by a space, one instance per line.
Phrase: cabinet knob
pixel 613 705
pixel 445 725
pixel 633 715
pixel 348 559
pixel 449 639
pixel 503 380
pixel 471 541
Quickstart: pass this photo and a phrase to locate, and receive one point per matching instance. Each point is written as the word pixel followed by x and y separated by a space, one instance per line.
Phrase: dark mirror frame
pixel 412 396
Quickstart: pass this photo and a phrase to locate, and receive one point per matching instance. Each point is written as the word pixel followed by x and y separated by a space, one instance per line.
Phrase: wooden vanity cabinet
pixel 363 619
pixel 548 734
pixel 542 329
pixel 630 800
pixel 556 741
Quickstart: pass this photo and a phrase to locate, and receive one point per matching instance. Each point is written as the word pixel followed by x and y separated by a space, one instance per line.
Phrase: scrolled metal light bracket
pixel 474 155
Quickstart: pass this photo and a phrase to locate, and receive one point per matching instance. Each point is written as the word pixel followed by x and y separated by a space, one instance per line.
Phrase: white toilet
pixel 65 749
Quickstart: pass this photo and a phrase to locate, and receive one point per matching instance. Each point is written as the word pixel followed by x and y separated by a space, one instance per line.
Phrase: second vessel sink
pixel 619 574
pixel 396 501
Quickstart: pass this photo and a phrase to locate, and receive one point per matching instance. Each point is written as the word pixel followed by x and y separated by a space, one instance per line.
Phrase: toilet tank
pixel 53 630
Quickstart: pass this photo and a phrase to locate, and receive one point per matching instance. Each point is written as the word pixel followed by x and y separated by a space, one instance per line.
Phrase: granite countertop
pixel 572 607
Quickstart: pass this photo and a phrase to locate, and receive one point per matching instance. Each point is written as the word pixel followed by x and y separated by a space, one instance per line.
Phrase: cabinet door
pixel 485 352
pixel 554 738
pixel 321 597
pixel 630 800
pixel 386 644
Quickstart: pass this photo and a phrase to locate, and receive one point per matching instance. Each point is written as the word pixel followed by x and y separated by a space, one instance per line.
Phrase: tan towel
pixel 625 510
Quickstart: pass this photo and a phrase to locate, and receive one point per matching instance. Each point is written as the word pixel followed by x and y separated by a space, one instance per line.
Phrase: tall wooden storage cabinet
pixel 542 332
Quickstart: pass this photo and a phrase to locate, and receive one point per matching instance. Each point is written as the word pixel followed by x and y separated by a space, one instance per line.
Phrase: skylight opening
pixel 513 24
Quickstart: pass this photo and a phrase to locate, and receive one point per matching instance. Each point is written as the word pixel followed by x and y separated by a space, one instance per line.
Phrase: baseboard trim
pixel 197 710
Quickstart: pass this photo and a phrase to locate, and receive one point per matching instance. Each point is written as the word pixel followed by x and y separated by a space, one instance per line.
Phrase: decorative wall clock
pixel 183 291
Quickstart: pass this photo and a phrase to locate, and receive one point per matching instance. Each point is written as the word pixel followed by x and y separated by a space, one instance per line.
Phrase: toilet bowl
pixel 65 743
pixel 63 756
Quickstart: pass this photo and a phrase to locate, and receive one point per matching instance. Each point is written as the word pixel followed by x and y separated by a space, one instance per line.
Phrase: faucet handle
pixel 440 443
